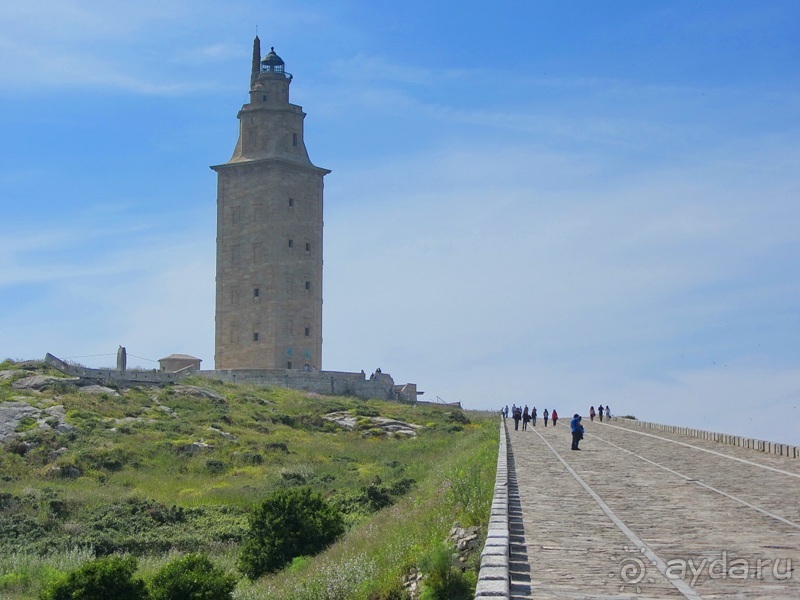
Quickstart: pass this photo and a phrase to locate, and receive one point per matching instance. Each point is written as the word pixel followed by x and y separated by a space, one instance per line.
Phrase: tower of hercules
pixel 269 234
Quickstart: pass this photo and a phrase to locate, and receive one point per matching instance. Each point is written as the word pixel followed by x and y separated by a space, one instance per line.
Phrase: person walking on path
pixel 608 412
pixel 591 413
pixel 533 416
pixel 600 412
pixel 555 417
pixel 525 418
pixel 577 431
pixel 545 414
pixel 517 416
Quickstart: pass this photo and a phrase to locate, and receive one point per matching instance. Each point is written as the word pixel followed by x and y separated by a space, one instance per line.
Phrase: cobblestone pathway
pixel 650 515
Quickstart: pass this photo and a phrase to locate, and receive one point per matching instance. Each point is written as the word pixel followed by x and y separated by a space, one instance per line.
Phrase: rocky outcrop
pixel 12 415
pixel 98 390
pixel 466 540
pixel 10 374
pixel 193 390
pixel 391 427
pixel 39 382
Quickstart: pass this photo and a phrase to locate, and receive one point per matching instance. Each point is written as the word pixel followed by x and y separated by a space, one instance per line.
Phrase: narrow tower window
pixel 291 243
pixel 291 202
pixel 258 252
pixel 308 247
pixel 308 285
pixel 308 331
pixel 256 292
pixel 255 336
pixel 294 139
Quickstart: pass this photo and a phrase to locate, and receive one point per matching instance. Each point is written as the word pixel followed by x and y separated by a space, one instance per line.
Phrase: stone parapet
pixel 786 450
pixel 127 376
pixel 336 383
pixel 493 578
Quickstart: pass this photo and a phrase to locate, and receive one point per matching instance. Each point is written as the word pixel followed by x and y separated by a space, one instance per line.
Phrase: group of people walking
pixel 519 413
pixel 599 412
pixel 523 414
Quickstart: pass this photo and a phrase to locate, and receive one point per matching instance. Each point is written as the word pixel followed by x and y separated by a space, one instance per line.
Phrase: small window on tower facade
pixel 255 336
pixel 294 139
pixel 256 292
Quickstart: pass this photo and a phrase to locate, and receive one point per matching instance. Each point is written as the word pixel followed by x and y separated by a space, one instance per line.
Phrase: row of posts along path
pixel 640 514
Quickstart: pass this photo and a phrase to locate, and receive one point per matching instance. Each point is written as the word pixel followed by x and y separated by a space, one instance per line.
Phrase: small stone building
pixel 176 362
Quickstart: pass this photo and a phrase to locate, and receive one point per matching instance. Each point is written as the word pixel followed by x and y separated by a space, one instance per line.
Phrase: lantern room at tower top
pixel 272 63
pixel 269 67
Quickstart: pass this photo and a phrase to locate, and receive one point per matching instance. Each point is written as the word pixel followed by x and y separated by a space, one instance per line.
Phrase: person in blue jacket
pixel 577 431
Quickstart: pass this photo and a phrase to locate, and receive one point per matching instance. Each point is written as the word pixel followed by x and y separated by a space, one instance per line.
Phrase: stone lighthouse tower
pixel 269 234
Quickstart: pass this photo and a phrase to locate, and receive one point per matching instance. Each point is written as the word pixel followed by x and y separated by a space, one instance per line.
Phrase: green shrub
pixel 277 447
pixel 443 581
pixel 291 522
pixel 366 411
pixel 100 579
pixel 215 466
pixel 193 577
pixel 458 417
pixel 26 424
pixel 252 458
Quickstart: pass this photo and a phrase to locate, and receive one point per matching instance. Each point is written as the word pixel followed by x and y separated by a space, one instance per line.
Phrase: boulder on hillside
pixel 12 414
pixel 7 374
pixel 391 427
pixel 39 382
pixel 100 389
pixel 193 390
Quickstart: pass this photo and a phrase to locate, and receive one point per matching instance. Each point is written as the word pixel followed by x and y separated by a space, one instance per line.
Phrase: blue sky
pixel 552 203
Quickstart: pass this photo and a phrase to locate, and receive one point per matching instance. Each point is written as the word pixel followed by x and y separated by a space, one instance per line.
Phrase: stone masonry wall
pixel 320 382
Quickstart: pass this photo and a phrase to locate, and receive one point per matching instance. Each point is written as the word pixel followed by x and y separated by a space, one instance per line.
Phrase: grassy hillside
pixel 156 472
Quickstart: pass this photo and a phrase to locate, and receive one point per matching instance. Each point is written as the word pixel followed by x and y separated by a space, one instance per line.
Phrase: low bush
pixel 458 417
pixel 291 522
pixel 443 580
pixel 100 579
pixel 192 577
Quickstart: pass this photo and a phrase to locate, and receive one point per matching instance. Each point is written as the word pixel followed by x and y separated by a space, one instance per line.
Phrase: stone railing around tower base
pixel 786 450
pixel 334 383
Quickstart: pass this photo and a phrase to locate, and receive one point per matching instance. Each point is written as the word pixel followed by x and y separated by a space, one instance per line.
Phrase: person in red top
pixel 591 413
pixel 554 417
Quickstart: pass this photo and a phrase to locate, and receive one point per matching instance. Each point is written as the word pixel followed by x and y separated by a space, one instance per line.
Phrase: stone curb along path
pixel 493 578
pixel 778 449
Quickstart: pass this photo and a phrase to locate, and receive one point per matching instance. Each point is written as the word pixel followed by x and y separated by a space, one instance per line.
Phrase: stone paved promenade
pixel 648 514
